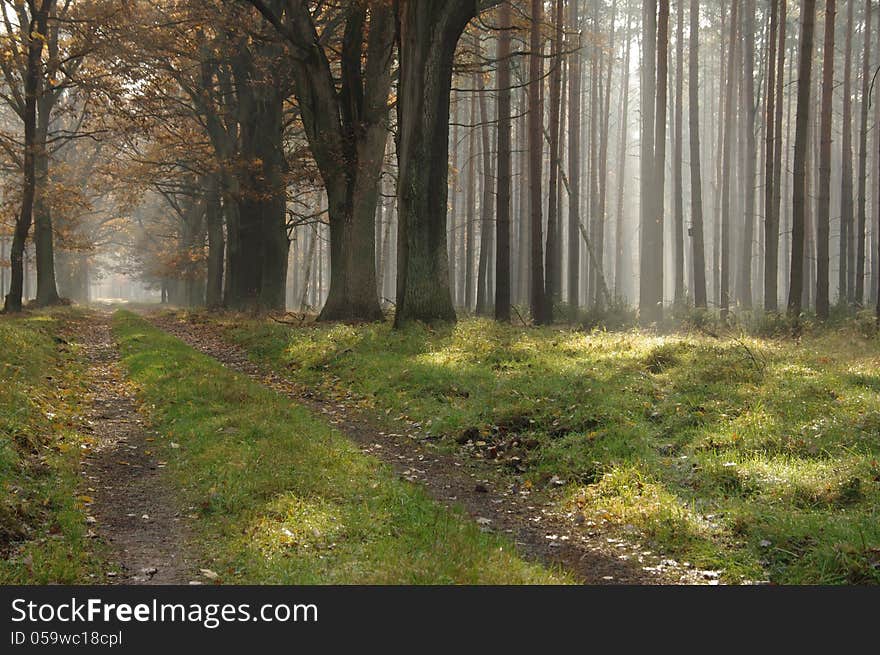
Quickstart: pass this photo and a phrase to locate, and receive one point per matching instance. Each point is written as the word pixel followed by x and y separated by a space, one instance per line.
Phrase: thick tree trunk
pixel 699 259
pixel 801 147
pixel 428 31
pixel 352 293
pixel 261 243
pixel 651 299
pixel 44 238
pixel 39 18
pixel 502 218
pixel 823 217
pixel 216 244
pixel 537 296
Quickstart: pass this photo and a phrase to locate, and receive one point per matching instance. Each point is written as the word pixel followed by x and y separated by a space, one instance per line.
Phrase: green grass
pixel 43 533
pixel 754 456
pixel 277 496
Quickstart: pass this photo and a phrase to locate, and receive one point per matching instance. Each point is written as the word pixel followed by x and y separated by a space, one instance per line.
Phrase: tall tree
pixel 699 257
pixel 845 289
pixel 744 286
pixel 37 20
pixel 863 158
pixel 537 296
pixel 574 156
pixel 621 159
pixel 487 177
pixel 429 31
pixel 346 128
pixel 654 266
pixel 727 155
pixel 824 208
pixel 502 218
pixel 677 156
pixel 648 307
pixel 801 147
pixel 550 268
pixel 773 141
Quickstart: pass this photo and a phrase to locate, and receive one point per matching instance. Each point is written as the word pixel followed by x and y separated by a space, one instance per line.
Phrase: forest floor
pixel 496 503
pixel 277 495
pixel 735 457
pixel 178 447
pixel 133 510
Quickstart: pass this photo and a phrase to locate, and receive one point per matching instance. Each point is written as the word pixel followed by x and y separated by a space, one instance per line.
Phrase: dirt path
pixel 527 517
pixel 132 511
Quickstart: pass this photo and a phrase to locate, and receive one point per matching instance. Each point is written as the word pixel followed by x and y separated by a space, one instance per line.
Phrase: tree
pixel 502 218
pixel 744 286
pixel 677 156
pixel 847 228
pixel 346 129
pixel 824 208
pixel 648 308
pixel 429 31
pixel 773 152
pixel 34 40
pixel 550 269
pixel 574 158
pixel 863 159
pixel 802 122
pixel 537 295
pixel 699 258
pixel 727 155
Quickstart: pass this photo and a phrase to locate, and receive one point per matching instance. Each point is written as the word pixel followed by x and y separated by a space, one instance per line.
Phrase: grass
pixel 43 531
pixel 277 496
pixel 754 456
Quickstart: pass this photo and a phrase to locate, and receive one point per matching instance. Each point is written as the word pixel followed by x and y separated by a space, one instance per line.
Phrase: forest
pixel 440 291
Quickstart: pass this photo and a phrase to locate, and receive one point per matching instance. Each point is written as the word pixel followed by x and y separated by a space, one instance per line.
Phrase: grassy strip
pixel 43 533
pixel 280 497
pixel 754 456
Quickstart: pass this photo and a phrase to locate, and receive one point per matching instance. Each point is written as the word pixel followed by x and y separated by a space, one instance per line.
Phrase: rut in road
pixel 528 518
pixel 132 510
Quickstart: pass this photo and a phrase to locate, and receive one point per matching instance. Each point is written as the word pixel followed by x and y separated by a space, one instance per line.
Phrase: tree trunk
pixel 470 239
pixel 801 147
pixel 574 158
pixel 37 26
pixel 727 154
pixel 553 181
pixel 846 168
pixel 863 160
pixel 648 310
pixel 621 162
pixel 677 157
pixel 502 218
pixel 428 31
pixel 744 288
pixel 216 244
pixel 483 290
pixel 44 239
pixel 537 296
pixel 772 135
pixel 823 218
pixel 699 259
